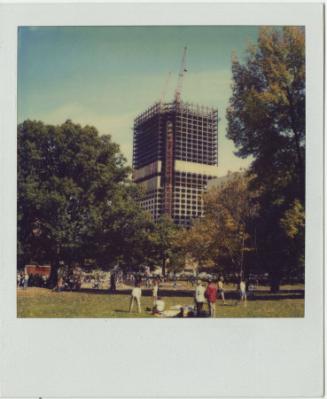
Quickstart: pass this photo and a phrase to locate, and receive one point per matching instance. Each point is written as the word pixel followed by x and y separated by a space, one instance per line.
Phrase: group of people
pixel 210 294
pixel 205 294
pixel 25 280
pixel 22 280
pixel 136 294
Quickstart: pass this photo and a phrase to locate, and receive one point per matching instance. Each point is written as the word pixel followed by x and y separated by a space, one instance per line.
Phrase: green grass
pixel 38 302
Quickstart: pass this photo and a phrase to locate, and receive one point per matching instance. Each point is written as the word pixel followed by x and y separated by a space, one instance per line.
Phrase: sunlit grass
pixel 37 302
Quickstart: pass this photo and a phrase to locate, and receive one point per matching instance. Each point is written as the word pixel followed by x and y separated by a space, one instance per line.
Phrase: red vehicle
pixel 43 270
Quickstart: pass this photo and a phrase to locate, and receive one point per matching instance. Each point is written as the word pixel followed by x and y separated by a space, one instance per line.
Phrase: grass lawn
pixel 39 302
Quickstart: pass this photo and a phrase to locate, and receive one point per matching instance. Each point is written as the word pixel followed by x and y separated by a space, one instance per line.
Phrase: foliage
pixel 196 243
pixel 266 119
pixel 74 197
pixel 267 110
pixel 231 207
pixel 293 221
pixel 222 236
pixel 165 245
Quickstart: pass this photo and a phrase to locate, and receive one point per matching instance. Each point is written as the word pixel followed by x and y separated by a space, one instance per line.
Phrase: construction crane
pixel 182 70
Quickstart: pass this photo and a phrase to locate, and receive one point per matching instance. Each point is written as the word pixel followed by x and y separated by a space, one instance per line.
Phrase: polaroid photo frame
pixel 150 357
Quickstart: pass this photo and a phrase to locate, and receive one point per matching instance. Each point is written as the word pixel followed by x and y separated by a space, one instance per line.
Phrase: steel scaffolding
pixel 164 134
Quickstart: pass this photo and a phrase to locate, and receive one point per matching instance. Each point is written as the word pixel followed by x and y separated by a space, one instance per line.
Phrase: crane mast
pixel 182 70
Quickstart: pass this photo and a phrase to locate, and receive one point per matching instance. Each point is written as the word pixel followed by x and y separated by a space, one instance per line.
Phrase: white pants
pixel 138 301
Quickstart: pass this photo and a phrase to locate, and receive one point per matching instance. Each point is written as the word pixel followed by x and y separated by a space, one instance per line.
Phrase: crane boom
pixel 182 70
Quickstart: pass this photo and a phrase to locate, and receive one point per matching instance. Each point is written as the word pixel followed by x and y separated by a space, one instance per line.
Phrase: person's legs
pixel 213 310
pixel 223 296
pixel 199 308
pixel 131 304
pixel 210 309
pixel 138 300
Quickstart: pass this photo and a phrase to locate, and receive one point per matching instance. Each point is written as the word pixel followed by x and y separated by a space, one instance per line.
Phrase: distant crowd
pixel 25 280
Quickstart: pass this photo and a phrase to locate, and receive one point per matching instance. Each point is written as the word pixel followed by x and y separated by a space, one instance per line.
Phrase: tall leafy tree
pixel 164 242
pixel 266 120
pixel 74 197
pixel 197 243
pixel 223 237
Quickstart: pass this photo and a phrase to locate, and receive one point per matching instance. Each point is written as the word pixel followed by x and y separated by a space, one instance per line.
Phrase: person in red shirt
pixel 211 296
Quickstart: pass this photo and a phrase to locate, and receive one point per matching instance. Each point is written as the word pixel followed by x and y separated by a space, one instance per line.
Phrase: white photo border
pixel 151 357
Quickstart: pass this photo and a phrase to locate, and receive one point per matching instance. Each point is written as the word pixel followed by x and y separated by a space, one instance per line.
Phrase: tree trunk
pixel 53 280
pixel 54 273
pixel 274 283
pixel 164 266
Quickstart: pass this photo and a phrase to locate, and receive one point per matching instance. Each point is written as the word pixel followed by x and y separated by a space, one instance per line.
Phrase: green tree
pixel 266 120
pixel 223 238
pixel 197 244
pixel 232 207
pixel 74 198
pixel 293 227
pixel 164 242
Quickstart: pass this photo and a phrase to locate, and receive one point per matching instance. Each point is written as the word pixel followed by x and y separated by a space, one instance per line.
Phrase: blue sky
pixel 106 76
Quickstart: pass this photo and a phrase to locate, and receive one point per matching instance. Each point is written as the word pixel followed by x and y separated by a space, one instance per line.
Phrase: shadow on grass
pixel 228 304
pixel 121 311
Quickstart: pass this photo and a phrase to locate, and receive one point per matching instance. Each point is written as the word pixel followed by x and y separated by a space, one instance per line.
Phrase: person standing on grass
pixel 136 296
pixel 26 278
pixel 199 297
pixel 155 291
pixel 243 291
pixel 221 289
pixel 211 296
pixel 61 282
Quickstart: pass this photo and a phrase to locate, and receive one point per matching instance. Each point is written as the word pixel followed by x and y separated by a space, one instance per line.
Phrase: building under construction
pixel 175 154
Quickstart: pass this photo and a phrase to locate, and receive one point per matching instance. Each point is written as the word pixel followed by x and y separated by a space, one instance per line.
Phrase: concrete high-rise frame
pixel 175 153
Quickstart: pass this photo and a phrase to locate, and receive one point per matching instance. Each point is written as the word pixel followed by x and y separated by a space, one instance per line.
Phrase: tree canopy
pixel 75 200
pixel 223 236
pixel 266 119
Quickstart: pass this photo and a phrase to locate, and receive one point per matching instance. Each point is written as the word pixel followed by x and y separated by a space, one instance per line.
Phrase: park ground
pixel 44 303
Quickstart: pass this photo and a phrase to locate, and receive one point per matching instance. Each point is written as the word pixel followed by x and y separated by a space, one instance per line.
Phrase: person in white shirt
pixel 155 292
pixel 243 291
pixel 26 277
pixel 199 297
pixel 136 296
pixel 159 306
pixel 221 289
